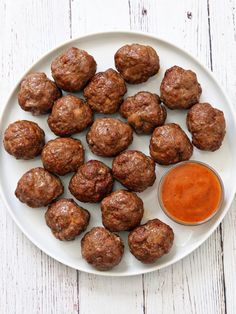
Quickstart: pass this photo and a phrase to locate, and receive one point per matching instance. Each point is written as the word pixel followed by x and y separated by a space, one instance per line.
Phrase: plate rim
pixel 152 36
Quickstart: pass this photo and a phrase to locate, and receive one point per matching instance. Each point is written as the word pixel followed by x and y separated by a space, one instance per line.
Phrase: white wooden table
pixel 30 281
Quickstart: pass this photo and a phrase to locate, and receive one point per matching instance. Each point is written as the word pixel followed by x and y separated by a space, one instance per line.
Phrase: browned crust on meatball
pixel 151 241
pixel 24 139
pixel 144 112
pixel 180 88
pixel 137 63
pixel 62 155
pixel 105 91
pixel 108 137
pixel 101 248
pixel 92 182
pixel 73 69
pixel 134 170
pixel 66 219
pixel 37 93
pixel 37 188
pixel 169 144
pixel 69 115
pixel 121 210
pixel 207 125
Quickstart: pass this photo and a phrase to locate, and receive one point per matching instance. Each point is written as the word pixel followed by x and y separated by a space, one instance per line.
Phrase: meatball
pixel 169 144
pixel 66 219
pixel 92 182
pixel 73 69
pixel 180 88
pixel 121 210
pixel 37 93
pixel 105 91
pixel 207 125
pixel 24 139
pixel 101 248
pixel 69 115
pixel 134 170
pixel 137 63
pixel 37 188
pixel 144 112
pixel 62 155
pixel 108 137
pixel 151 241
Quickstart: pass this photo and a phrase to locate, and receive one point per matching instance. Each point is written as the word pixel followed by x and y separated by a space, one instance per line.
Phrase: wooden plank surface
pixel 32 282
pixel 223 42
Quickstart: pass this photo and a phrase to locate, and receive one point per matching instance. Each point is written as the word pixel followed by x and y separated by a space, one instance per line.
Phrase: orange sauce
pixel 191 193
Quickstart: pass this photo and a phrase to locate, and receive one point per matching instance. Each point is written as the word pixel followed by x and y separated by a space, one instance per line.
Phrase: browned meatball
pixel 108 137
pixel 62 155
pixel 207 125
pixel 73 69
pixel 137 63
pixel 121 210
pixel 37 188
pixel 151 241
pixel 105 91
pixel 92 182
pixel 69 115
pixel 24 139
pixel 134 170
pixel 66 219
pixel 180 88
pixel 37 93
pixel 144 112
pixel 169 144
pixel 101 248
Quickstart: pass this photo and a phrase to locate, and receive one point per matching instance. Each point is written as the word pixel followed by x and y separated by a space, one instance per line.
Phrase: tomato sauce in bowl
pixel 191 193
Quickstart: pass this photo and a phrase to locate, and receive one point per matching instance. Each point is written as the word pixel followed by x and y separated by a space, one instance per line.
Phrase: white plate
pixel 31 221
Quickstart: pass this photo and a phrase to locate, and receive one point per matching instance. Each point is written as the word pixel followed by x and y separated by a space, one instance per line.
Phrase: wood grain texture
pixel 96 16
pixel 32 282
pixel 223 43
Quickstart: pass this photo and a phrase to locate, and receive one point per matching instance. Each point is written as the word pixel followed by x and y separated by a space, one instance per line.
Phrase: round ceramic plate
pixel 31 221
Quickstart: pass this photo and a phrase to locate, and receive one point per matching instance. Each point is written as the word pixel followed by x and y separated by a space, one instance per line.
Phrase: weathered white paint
pixel 31 282
pixel 223 35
